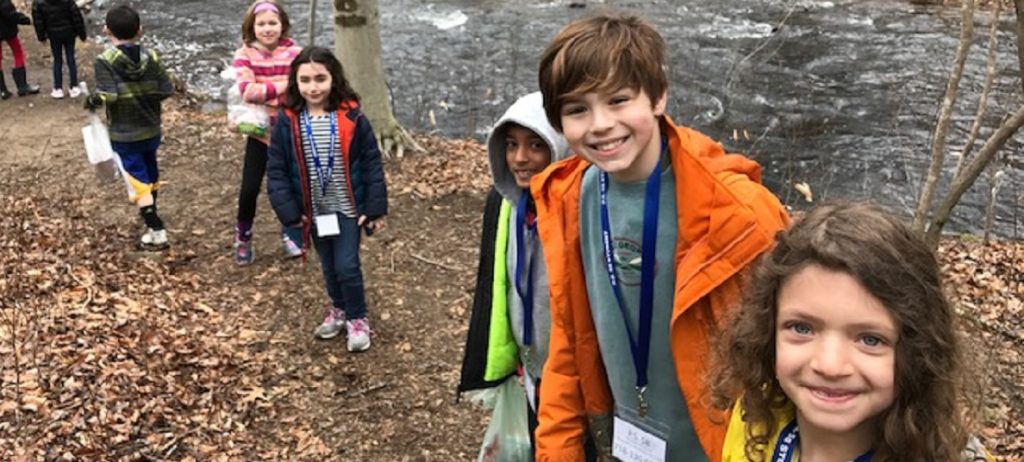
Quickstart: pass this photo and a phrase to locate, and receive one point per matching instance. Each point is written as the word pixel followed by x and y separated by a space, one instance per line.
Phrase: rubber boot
pixel 21 81
pixel 4 94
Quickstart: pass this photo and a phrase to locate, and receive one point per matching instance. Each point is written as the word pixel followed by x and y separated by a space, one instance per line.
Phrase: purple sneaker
pixel 243 252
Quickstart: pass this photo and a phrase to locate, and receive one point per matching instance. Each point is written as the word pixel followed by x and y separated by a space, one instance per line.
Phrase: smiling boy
pixel 646 234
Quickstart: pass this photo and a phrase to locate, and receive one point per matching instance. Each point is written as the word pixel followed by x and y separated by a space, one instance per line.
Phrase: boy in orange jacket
pixel 646 234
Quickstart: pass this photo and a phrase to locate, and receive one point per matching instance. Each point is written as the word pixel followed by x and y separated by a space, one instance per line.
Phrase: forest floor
pixel 111 353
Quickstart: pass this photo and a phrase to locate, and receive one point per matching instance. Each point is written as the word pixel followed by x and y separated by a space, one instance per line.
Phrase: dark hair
pixel 123 22
pixel 609 51
pixel 340 89
pixel 249 21
pixel 925 421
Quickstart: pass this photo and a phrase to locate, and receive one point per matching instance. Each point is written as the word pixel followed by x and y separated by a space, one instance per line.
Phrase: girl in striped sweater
pixel 261 67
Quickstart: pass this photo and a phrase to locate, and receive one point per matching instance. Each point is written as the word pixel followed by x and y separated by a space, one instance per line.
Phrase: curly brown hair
pixel 926 421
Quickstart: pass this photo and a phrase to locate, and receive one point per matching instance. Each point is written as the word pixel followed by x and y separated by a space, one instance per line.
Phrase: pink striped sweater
pixel 263 75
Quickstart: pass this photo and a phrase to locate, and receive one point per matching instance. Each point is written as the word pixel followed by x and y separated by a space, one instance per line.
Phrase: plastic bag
pixel 244 118
pixel 508 436
pixel 98 150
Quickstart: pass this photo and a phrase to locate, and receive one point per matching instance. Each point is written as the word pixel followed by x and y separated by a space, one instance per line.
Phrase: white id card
pixel 631 443
pixel 327 225
pixel 531 388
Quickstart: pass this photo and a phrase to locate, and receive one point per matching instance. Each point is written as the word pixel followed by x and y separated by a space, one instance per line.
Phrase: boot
pixel 4 94
pixel 21 81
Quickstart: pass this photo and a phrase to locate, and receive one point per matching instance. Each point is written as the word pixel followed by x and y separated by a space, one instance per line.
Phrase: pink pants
pixel 19 53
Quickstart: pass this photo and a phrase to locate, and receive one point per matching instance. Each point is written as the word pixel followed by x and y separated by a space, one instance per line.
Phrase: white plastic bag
pixel 98 150
pixel 508 436
pixel 244 118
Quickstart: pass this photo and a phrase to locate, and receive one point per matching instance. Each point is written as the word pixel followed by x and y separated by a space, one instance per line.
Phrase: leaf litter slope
pixel 109 353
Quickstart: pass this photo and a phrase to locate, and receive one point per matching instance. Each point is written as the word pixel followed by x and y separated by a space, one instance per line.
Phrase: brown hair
pixel 926 421
pixel 608 51
pixel 249 22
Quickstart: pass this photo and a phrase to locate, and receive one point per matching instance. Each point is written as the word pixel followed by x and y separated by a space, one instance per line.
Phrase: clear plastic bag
pixel 244 118
pixel 98 150
pixel 508 436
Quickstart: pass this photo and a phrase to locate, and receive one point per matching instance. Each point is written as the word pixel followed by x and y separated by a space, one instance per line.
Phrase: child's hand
pixel 371 226
pixel 92 102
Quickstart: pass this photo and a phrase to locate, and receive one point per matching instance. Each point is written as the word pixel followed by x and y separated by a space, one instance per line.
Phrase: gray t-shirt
pixel 667 414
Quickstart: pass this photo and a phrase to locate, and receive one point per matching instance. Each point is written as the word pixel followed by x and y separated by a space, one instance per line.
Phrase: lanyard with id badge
pixel 525 295
pixel 326 224
pixel 789 441
pixel 631 442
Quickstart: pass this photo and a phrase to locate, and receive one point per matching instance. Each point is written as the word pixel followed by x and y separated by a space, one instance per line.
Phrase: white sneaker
pixel 154 239
pixel 57 93
pixel 358 334
pixel 74 92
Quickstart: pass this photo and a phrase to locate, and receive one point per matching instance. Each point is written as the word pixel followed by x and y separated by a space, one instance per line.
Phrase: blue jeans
pixel 68 47
pixel 343 276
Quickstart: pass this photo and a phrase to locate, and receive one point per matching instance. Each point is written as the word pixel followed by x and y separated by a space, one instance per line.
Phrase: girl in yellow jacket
pixel 845 349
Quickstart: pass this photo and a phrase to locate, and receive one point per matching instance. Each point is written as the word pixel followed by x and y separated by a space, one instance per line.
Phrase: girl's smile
pixel 268 29
pixel 835 353
pixel 314 81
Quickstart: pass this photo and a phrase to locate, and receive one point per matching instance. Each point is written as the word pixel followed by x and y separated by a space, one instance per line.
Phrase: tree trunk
pixel 1019 4
pixel 312 22
pixel 357 45
pixel 970 175
pixel 945 118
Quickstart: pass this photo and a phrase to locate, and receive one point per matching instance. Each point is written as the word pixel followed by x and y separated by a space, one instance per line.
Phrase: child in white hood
pixel 510 324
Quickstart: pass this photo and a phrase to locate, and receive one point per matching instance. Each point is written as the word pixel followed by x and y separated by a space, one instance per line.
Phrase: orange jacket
pixel 725 220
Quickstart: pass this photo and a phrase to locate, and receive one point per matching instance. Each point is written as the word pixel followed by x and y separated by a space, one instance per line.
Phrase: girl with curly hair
pixel 845 349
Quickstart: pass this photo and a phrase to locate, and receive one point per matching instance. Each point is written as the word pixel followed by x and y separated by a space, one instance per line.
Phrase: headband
pixel 265 6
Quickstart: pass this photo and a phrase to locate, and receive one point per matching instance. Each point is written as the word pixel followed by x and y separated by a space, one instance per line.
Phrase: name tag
pixel 327 225
pixel 531 388
pixel 631 443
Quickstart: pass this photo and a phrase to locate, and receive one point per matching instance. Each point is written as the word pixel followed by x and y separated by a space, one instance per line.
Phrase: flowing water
pixel 839 94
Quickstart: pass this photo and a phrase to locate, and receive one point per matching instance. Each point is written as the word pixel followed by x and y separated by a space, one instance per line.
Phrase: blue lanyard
pixel 639 345
pixel 525 296
pixel 789 440
pixel 321 176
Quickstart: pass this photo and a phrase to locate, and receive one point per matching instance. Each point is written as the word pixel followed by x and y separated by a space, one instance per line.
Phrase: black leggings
pixel 254 169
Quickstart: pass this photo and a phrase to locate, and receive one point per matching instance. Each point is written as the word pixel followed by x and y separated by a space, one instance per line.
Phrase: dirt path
pixel 309 399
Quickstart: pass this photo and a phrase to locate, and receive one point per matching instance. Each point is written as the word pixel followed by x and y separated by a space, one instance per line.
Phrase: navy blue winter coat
pixel 287 175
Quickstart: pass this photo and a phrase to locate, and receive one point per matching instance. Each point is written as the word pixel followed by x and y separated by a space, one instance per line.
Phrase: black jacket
pixel 10 18
pixel 59 20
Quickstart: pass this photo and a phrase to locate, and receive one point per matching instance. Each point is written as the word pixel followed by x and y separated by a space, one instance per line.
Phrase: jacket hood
pixel 129 69
pixel 527 111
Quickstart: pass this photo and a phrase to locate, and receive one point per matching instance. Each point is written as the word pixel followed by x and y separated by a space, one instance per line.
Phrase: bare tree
pixel 357 45
pixel 945 117
pixel 967 170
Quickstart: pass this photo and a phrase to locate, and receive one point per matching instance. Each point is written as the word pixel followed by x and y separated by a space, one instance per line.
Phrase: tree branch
pixel 945 117
pixel 962 184
pixel 990 76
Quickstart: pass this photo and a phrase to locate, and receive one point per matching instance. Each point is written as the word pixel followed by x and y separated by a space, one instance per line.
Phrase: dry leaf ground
pixel 108 353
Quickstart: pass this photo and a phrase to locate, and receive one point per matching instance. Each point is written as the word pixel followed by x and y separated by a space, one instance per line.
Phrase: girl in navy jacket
pixel 324 175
